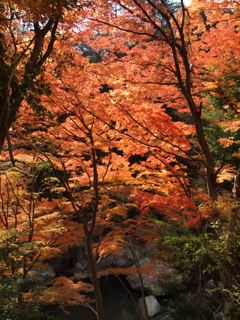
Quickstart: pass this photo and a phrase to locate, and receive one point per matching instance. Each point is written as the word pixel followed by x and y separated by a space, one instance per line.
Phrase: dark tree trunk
pixel 13 91
pixel 95 281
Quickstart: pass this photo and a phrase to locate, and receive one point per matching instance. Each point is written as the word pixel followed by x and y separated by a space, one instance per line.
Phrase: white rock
pixel 153 307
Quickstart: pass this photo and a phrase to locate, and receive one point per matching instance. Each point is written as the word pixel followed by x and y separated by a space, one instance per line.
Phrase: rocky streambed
pixel 118 301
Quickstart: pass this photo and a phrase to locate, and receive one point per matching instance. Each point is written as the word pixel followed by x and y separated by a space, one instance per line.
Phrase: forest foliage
pixel 119 124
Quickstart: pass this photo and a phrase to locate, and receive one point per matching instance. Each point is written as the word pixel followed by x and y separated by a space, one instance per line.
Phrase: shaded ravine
pixel 118 304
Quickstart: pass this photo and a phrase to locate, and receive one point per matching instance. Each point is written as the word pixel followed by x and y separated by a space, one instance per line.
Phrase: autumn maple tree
pixel 165 92
pixel 171 60
pixel 31 232
pixel 28 32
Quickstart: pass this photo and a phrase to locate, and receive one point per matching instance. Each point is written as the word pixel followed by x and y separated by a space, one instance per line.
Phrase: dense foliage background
pixel 119 125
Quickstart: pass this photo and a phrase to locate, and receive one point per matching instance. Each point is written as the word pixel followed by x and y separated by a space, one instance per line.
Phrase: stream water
pixel 118 304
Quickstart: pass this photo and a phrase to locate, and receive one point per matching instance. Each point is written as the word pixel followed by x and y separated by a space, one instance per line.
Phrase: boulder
pixel 123 259
pixel 153 307
pixel 150 271
pixel 45 275
pixel 218 316
pixel 82 266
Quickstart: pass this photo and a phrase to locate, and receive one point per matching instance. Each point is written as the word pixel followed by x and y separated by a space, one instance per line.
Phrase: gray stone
pixel 218 316
pixel 149 277
pixel 153 307
pixel 123 259
pixel 43 274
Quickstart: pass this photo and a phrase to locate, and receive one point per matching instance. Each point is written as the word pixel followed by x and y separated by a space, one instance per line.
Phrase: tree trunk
pixel 95 281
pixel 12 90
